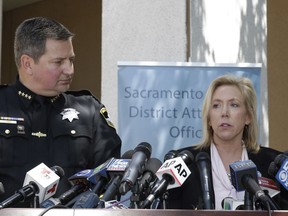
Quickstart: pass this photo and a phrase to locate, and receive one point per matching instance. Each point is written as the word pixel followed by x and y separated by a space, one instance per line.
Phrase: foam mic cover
pixel 176 169
pixel 279 159
pixel 58 171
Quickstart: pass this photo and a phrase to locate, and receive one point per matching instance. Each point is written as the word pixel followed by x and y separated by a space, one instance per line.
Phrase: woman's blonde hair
pixel 246 88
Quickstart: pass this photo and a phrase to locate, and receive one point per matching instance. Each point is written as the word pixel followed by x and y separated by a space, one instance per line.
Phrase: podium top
pixel 133 212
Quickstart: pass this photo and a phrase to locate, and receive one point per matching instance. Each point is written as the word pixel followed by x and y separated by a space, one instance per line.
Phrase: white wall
pixel 139 30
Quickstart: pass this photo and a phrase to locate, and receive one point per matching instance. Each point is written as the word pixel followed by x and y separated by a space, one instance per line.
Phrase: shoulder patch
pixel 79 93
pixel 105 114
pixel 82 92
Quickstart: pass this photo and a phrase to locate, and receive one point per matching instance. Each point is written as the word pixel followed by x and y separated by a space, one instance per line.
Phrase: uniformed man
pixel 40 120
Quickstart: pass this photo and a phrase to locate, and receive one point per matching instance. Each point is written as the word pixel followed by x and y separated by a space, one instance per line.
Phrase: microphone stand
pixel 248 201
pixel 164 200
pixel 268 204
pixel 161 202
pixel 271 202
pixel 35 202
pixel 135 197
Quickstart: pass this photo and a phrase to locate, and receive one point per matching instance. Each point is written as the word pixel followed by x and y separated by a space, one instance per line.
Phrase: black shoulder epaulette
pixel 3 85
pixel 82 92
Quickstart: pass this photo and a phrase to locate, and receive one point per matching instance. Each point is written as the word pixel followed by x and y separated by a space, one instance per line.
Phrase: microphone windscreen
pixel 171 154
pixel 186 156
pixel 279 159
pixel 202 156
pixel 144 147
pixel 153 165
pixel 272 169
pixel 128 154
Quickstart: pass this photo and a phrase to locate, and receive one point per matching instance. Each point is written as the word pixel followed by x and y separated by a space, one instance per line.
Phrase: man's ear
pixel 26 63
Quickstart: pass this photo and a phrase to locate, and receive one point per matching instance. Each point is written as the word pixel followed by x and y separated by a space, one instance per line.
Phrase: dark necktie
pixel 40 117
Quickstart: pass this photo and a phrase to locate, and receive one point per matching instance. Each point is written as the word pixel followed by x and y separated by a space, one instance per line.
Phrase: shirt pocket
pixel 13 145
pixel 72 145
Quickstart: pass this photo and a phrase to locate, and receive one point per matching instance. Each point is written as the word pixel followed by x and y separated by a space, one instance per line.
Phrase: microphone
pixel 40 181
pixel 171 154
pixel 79 184
pixel 142 187
pixel 279 169
pixel 204 168
pixel 149 175
pixel 100 176
pixel 171 174
pixel 88 199
pixel 115 171
pixel 142 153
pixel 244 177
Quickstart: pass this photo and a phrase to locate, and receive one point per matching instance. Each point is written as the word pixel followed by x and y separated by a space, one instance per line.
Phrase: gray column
pixel 139 30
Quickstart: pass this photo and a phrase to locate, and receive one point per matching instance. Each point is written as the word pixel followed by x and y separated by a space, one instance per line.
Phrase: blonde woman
pixel 230 132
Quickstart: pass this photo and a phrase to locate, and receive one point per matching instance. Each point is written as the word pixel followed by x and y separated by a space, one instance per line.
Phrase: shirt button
pixel 73 132
pixel 7 131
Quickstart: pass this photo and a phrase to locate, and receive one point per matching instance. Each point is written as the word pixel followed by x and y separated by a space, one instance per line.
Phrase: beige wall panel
pixel 277 16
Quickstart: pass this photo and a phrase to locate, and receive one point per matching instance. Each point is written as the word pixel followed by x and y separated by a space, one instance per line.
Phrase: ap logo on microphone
pixel 282 174
pixel 177 168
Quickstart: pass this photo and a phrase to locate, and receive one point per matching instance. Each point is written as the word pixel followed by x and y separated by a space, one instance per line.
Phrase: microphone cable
pixel 52 207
